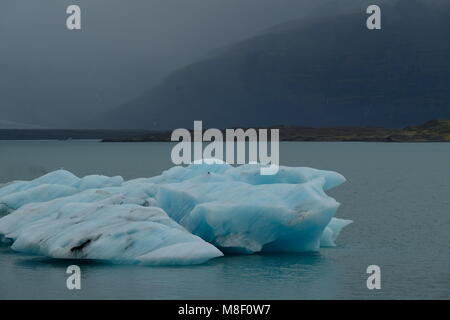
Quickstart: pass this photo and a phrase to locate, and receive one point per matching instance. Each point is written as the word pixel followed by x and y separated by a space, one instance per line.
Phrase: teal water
pixel 397 194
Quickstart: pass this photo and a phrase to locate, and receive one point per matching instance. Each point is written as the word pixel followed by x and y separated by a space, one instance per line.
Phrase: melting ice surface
pixel 187 215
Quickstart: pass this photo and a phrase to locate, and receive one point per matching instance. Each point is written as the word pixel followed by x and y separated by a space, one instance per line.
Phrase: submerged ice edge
pixel 186 215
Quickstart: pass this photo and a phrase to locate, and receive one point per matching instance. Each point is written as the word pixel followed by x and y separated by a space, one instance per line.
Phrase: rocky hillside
pixel 432 131
pixel 328 71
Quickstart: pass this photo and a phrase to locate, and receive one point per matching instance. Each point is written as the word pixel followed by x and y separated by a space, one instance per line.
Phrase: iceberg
pixel 108 230
pixel 186 215
pixel 51 186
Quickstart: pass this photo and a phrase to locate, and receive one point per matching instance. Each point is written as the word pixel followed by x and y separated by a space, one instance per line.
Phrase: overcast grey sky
pixel 56 77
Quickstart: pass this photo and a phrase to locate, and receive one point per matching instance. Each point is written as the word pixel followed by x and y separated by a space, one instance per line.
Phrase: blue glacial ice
pixel 186 215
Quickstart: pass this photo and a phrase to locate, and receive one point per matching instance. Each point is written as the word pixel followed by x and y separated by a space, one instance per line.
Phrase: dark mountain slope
pixel 326 72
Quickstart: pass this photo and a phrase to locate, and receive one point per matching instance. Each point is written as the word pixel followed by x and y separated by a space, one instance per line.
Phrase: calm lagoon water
pixel 397 194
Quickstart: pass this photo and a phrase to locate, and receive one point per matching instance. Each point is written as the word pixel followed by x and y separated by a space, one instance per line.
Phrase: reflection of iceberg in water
pixel 187 215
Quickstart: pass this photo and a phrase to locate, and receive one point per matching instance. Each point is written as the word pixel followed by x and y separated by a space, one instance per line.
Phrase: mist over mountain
pixel 326 71
pixel 62 78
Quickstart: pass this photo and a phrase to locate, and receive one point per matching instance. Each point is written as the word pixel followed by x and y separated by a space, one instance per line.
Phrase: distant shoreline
pixel 70 134
pixel 432 131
